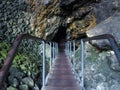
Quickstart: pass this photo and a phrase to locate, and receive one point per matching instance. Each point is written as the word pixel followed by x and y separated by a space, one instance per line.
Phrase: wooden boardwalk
pixel 62 76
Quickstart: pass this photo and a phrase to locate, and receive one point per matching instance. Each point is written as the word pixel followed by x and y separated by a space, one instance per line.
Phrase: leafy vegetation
pixel 4 48
pixel 25 62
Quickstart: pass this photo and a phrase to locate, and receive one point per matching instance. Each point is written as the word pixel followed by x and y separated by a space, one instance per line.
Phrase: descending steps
pixel 61 76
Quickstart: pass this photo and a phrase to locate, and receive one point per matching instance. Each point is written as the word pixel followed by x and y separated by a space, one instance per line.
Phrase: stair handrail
pixel 112 41
pixel 113 44
pixel 11 54
pixel 109 37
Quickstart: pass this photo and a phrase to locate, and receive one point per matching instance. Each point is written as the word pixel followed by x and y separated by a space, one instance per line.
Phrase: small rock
pixel 11 88
pixel 99 77
pixel 109 26
pixel 15 82
pixel 113 63
pixel 102 86
pixel 14 72
pixel 10 79
pixel 35 87
pixel 115 87
pixel 29 81
pixel 23 87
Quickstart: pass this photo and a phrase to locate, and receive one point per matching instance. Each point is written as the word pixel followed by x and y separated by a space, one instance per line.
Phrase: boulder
pixel 106 8
pixel 28 81
pixel 36 87
pixel 102 86
pixel 109 26
pixel 113 62
pixel 23 87
pixel 115 87
pixel 11 88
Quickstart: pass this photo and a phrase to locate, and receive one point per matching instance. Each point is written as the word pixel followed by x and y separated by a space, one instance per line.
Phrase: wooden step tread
pixel 60 73
pixel 62 88
pixel 62 82
pixel 61 76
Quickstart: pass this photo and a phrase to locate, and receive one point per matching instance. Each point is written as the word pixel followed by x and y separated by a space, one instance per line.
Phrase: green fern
pixel 24 61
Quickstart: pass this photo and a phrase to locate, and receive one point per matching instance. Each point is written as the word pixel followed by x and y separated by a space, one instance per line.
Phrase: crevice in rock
pixel 60 35
pixel 71 4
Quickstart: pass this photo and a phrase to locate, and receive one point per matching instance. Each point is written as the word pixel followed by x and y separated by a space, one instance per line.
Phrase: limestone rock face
pixel 102 70
pixel 109 26
pixel 105 8
pixel 76 16
pixel 43 18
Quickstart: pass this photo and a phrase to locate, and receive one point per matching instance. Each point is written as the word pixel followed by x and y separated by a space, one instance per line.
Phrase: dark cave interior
pixel 60 35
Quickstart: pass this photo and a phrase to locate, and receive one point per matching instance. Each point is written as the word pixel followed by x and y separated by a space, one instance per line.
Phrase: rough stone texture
pixel 29 81
pixel 113 62
pixel 21 80
pixel 102 86
pixel 77 17
pixel 106 8
pixel 115 87
pixel 47 19
pixel 109 26
pixel 11 88
pixel 99 75
pixel 36 87
pixel 43 18
pixel 14 19
pixel 23 87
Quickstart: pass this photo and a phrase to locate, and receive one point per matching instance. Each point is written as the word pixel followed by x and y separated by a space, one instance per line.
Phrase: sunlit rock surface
pixel 43 18
pixel 49 16
pixel 102 70
pixel 106 8
pixel 109 26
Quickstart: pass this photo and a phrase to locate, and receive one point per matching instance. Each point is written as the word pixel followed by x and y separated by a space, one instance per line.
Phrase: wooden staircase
pixel 61 76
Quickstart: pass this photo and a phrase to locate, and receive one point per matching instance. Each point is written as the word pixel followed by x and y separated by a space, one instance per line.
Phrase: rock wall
pixel 43 18
pixel 105 9
pixel 50 15
pixel 14 19
pixel 102 70
pixel 109 26
pixel 76 16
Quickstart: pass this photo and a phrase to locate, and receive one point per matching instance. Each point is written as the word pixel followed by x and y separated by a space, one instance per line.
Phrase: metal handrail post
pixel 82 63
pixel 53 51
pixel 66 48
pixel 43 71
pixel 57 49
pixel 74 59
pixel 50 55
pixel 70 52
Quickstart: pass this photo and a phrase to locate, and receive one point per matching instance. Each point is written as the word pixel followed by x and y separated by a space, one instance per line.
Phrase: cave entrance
pixel 60 35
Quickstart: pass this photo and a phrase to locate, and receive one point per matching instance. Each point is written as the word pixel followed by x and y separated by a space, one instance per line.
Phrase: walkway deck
pixel 62 76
